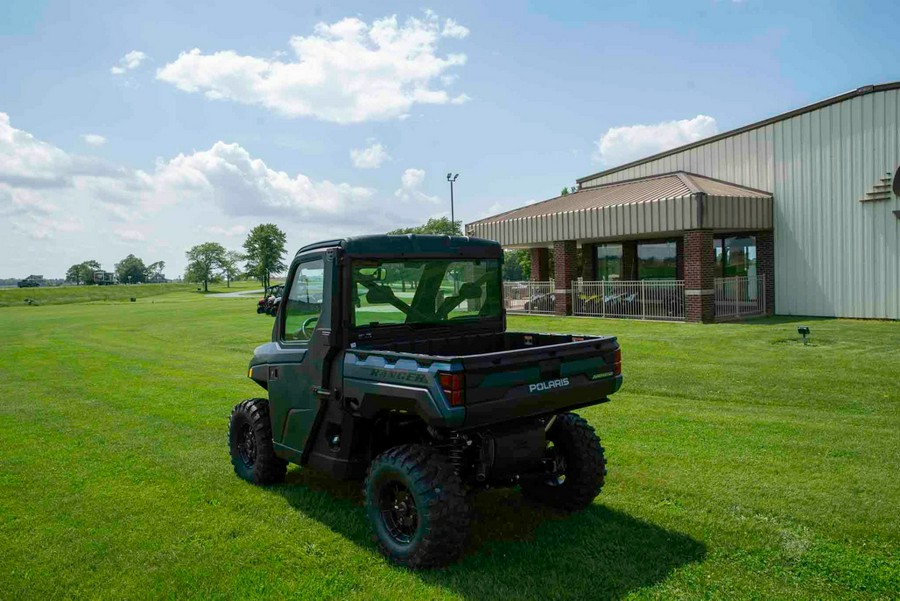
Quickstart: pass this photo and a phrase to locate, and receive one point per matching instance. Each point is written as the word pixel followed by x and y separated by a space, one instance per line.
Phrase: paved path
pixel 239 294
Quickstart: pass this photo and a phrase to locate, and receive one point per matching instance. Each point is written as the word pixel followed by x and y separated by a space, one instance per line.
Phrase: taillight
pixel 617 362
pixel 454 386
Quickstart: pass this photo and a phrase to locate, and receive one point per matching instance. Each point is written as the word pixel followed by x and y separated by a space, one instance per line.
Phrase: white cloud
pixel 370 157
pixel 344 72
pixel 81 207
pixel 452 29
pixel 129 235
pixel 411 187
pixel 240 185
pixel 129 62
pixel 36 179
pixel 230 232
pixel 30 163
pixel 93 139
pixel 623 144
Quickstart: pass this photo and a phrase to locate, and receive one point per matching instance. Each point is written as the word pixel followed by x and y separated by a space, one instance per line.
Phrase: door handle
pixel 320 392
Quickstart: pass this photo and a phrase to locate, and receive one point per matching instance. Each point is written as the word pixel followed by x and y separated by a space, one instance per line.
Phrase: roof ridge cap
pixel 688 181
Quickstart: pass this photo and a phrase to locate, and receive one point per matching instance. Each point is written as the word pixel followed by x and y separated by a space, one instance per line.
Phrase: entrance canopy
pixel 638 208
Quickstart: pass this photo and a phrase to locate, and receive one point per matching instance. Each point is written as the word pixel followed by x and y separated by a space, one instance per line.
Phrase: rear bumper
pixel 520 402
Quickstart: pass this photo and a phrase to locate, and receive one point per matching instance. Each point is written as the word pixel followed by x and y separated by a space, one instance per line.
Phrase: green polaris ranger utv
pixel 390 363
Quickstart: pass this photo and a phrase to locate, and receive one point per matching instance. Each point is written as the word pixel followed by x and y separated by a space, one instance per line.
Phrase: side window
pixel 304 301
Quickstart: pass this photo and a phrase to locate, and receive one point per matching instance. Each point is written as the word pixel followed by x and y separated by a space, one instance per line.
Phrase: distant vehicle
pixel 541 302
pixel 103 278
pixel 32 281
pixel 268 304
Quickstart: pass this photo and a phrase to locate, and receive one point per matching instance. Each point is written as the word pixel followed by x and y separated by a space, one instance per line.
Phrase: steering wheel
pixel 306 324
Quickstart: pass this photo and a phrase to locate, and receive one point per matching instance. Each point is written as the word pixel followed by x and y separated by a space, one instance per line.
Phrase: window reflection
pixel 609 262
pixel 735 256
pixel 657 260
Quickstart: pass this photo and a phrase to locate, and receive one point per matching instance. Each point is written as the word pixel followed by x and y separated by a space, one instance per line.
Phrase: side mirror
pixel 377 274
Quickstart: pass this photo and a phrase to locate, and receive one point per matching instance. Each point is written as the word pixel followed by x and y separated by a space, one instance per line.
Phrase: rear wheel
pixel 575 448
pixel 250 442
pixel 417 506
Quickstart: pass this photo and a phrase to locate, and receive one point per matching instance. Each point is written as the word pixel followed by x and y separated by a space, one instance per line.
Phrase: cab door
pixel 298 370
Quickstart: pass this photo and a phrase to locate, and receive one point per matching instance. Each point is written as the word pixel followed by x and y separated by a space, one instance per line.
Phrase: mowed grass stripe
pixel 742 465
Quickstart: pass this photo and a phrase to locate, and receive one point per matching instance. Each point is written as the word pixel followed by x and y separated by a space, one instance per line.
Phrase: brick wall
pixel 699 276
pixel 565 257
pixel 765 264
pixel 539 263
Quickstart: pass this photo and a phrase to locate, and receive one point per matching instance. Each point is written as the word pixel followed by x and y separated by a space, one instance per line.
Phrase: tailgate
pixel 540 379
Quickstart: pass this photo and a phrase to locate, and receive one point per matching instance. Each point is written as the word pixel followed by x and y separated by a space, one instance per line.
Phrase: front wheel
pixel 250 443
pixel 417 507
pixel 575 448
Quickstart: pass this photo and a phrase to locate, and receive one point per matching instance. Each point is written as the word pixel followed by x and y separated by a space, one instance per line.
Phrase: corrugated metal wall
pixel 834 255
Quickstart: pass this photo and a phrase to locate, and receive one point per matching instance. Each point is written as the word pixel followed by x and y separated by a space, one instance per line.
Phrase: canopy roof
pixel 667 203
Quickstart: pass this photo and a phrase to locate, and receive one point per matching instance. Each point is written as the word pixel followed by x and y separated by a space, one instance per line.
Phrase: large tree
pixel 264 252
pixel 82 273
pixel 204 260
pixel 440 226
pixel 230 267
pixel 131 270
pixel 516 265
pixel 155 270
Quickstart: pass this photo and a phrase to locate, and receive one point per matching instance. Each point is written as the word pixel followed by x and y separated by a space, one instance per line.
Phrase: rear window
pixel 424 291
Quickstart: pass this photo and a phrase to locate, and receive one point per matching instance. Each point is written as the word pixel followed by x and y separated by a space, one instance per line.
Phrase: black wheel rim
pixel 246 445
pixel 398 512
pixel 559 461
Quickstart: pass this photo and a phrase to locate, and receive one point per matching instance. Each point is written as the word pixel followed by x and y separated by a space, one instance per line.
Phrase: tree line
pixel 263 256
pixel 131 270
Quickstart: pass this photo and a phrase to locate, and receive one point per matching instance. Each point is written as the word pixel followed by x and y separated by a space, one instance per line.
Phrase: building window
pixel 735 256
pixel 609 262
pixel 657 260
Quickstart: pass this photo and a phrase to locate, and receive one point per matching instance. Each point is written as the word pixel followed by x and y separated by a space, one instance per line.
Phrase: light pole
pixel 452 178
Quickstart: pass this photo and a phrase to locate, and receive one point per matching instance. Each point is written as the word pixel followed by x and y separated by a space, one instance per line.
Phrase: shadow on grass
pixel 520 550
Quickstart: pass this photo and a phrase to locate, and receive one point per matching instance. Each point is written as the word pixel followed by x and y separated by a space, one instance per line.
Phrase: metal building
pixel 799 206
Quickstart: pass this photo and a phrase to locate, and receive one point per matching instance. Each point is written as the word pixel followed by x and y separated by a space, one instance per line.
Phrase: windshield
pixel 424 291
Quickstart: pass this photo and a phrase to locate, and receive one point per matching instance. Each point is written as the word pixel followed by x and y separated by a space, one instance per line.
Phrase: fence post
pixel 574 297
pixel 763 287
pixel 603 298
pixel 643 304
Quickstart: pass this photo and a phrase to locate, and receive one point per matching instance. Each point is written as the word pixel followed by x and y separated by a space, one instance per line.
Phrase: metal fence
pixel 639 299
pixel 529 297
pixel 740 296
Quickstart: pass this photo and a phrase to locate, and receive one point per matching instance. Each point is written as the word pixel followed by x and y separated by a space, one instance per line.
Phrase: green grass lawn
pixel 63 295
pixel 741 465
